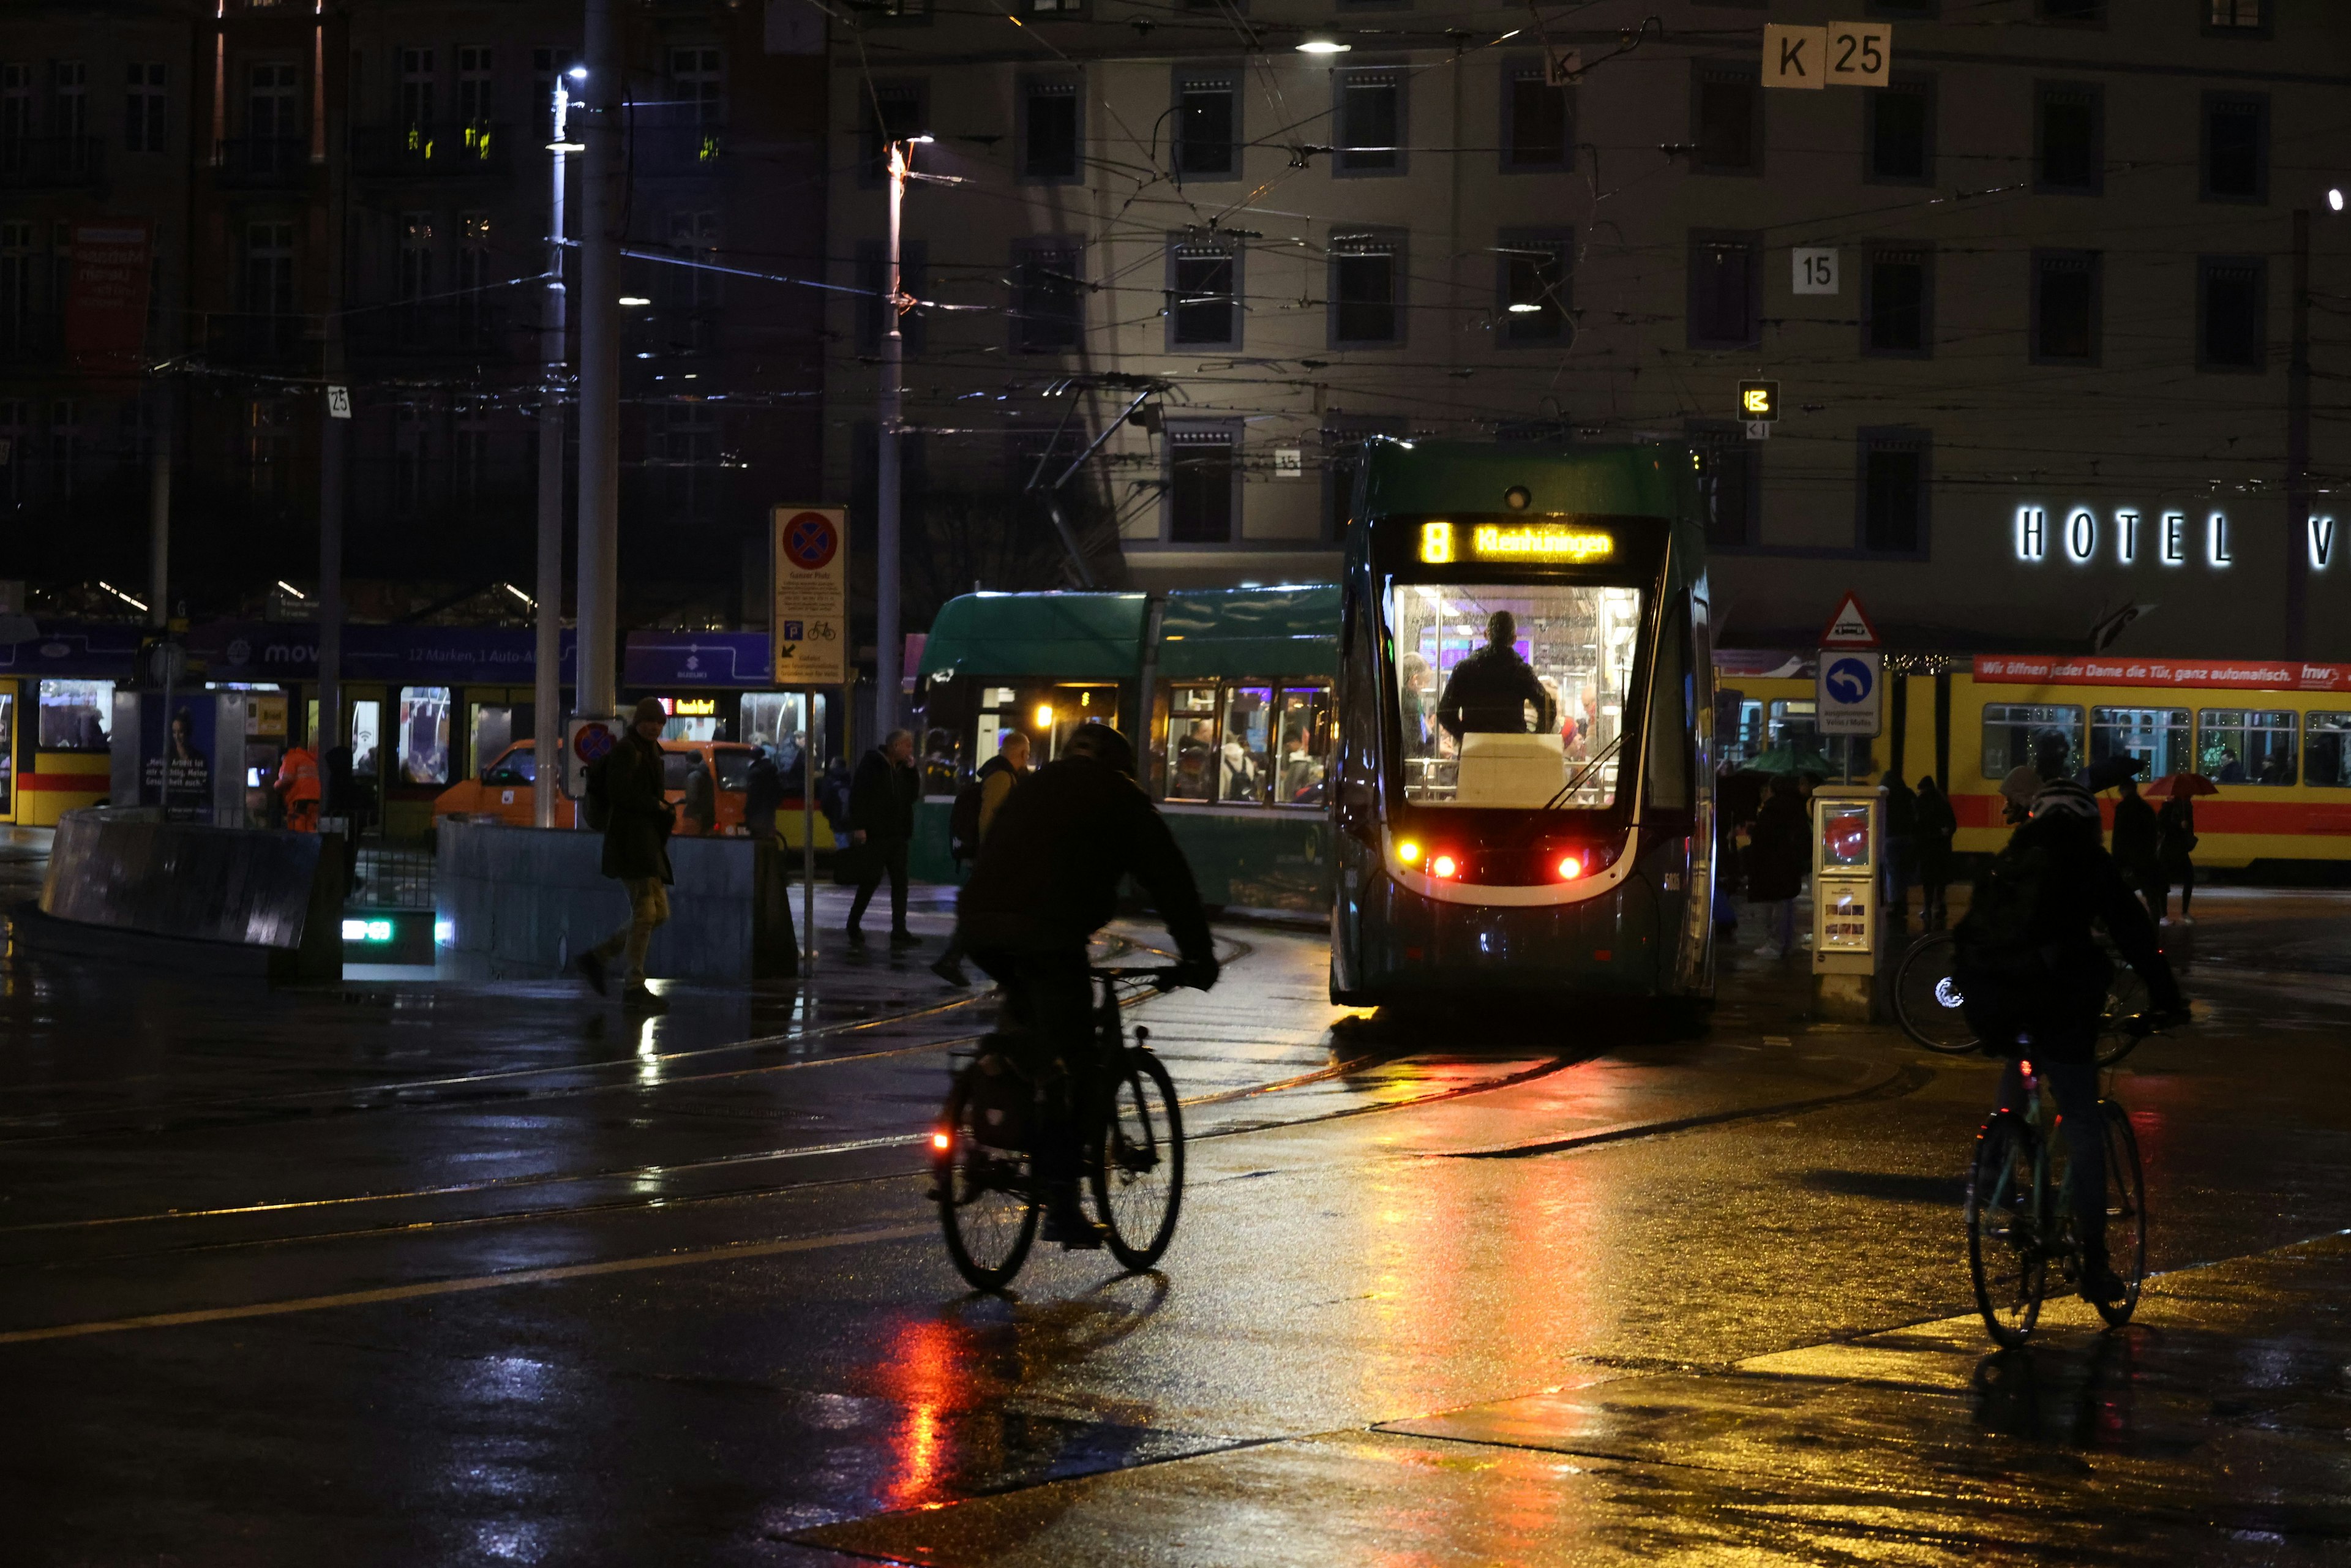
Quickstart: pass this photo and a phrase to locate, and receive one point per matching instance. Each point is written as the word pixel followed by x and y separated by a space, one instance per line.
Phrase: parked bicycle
pixel 1929 1005
pixel 1131 1130
pixel 2022 1243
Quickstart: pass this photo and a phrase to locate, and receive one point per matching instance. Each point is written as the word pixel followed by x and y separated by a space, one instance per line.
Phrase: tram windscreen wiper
pixel 1567 790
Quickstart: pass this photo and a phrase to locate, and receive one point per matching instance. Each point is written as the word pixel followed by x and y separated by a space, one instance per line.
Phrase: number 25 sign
pixel 1842 53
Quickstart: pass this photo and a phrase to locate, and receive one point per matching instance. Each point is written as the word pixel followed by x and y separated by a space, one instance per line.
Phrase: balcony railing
pixel 51 162
pixel 417 151
pixel 262 163
pixel 250 338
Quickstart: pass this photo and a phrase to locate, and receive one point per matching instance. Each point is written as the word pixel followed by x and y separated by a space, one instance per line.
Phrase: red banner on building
pixel 105 305
pixel 2256 674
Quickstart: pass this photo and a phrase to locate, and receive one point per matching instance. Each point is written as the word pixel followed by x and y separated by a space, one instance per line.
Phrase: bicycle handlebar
pixel 1160 979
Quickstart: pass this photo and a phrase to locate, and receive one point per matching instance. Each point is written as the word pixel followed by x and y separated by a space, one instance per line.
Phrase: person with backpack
pixel 2035 978
pixel 975 805
pixel 628 801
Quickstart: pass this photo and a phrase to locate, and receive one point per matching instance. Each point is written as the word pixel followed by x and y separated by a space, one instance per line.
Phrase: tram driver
pixel 1490 690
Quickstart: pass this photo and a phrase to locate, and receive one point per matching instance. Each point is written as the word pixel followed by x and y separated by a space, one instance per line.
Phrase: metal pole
pixel 158 515
pixel 2297 448
pixel 599 368
pixel 331 440
pixel 886 643
pixel 808 733
pixel 547 695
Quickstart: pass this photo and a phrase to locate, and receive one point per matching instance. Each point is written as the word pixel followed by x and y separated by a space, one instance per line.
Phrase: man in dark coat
pixel 1779 857
pixel 763 793
pixel 630 783
pixel 1047 879
pixel 882 821
pixel 2134 844
pixel 1938 824
pixel 1490 690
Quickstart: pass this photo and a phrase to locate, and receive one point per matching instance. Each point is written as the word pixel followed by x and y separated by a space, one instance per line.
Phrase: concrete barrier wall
pixel 126 870
pixel 522 903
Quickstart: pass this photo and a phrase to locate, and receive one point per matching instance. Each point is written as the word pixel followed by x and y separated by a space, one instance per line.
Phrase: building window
pixel 685 459
pixel 143 108
pixel 268 442
pixel 2069 140
pixel 1728 118
pixel 474 307
pixel 410 454
pixel 2156 737
pixel 1345 437
pixel 1537 122
pixel 890 112
pixel 474 102
pixel 695 79
pixel 2065 306
pixel 71 110
pixel 1048 308
pixel 1055 8
pixel 1049 130
pixel 469 451
pixel 2230 314
pixel 2010 730
pixel 413 284
pixel 1726 290
pixel 1371 121
pixel 1729 481
pixel 2237 18
pixel 913 280
pixel 1532 279
pixel 2245 746
pixel 417 79
pixel 1203 485
pixel 1897 304
pixel 1203 296
pixel 17 267
pixel 65 445
pixel 1367 289
pixel 1894 491
pixel 1900 133
pixel 1207 125
pixel 2074 13
pixel 269 268
pixel 2236 153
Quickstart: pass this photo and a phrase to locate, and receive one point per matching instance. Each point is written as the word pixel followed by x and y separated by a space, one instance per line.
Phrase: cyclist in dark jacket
pixel 1047 879
pixel 2035 979
pixel 1490 690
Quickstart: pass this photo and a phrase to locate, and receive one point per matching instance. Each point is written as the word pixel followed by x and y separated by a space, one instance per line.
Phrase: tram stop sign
pixel 1850 686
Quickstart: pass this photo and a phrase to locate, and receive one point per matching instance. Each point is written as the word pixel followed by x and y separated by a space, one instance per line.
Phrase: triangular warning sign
pixel 1850 627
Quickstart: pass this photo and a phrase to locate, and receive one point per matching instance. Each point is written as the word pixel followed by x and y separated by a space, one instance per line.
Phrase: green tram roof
pixel 1078 636
pixel 1649 479
pixel 1286 631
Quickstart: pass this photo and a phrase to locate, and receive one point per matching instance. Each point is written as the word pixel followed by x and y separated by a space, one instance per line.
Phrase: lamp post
pixel 888 642
pixel 546 695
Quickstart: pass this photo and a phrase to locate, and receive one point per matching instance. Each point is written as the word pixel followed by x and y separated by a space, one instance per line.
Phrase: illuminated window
pixel 2010 730
pixel 2157 736
pixel 2245 746
pixel 1247 744
pixel 423 734
pixel 2326 751
pixel 76 715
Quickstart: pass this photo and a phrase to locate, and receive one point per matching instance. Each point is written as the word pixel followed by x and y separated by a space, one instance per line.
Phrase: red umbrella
pixel 2188 784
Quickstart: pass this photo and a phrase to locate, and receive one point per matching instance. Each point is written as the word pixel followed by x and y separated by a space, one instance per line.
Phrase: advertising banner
pixel 727 660
pixel 177 748
pixel 811 608
pixel 2087 670
pixel 106 299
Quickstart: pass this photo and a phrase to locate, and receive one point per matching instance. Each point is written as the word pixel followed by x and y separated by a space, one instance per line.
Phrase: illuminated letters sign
pixel 696 708
pixel 1539 541
pixel 2322 543
pixel 1758 400
pixel 2076 530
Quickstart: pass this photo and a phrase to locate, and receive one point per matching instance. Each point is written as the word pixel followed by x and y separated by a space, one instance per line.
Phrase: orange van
pixel 504 790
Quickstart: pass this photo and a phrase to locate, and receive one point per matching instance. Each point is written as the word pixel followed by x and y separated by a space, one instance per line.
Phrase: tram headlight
pixel 1445 865
pixel 1408 852
pixel 1570 868
pixel 1044 716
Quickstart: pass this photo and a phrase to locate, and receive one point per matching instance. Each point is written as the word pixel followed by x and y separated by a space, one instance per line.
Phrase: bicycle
pixel 1131 1133
pixel 2020 1243
pixel 1931 1007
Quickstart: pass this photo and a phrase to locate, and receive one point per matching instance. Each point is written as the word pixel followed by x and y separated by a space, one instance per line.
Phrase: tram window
pixel 1510 726
pixel 495 728
pixel 1795 722
pixel 1191 743
pixel 1304 760
pixel 1243 761
pixel 2010 730
pixel 77 715
pixel 366 737
pixel 2327 751
pixel 2245 746
pixel 424 735
pixel 2157 736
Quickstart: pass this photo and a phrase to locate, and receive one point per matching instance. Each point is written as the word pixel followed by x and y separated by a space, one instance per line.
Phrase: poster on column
pixel 176 756
pixel 106 296
pixel 811 596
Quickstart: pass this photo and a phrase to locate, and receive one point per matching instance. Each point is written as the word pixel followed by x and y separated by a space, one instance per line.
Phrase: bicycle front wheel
pixel 1926 1001
pixel 2126 1212
pixel 1138 1161
pixel 2126 996
pixel 2005 1211
pixel 986 1198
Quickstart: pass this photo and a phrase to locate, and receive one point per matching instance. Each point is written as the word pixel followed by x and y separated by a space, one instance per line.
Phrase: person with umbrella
pixel 2174 841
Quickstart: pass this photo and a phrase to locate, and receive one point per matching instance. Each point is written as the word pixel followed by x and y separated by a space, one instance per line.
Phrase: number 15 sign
pixel 811 609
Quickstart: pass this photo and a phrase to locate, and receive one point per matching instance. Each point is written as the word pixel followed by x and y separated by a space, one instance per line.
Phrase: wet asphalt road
pixel 406 1273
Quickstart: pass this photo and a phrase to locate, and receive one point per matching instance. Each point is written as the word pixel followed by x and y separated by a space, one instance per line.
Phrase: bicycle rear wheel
pixel 1927 1002
pixel 2126 1212
pixel 1138 1161
pixel 986 1196
pixel 2005 1211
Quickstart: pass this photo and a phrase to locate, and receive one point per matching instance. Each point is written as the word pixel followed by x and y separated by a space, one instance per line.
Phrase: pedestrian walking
pixel 1900 842
pixel 627 798
pixel 298 787
pixel 2175 845
pixel 701 796
pixel 975 805
pixel 1777 855
pixel 1938 825
pixel 2134 845
pixel 882 825
pixel 763 796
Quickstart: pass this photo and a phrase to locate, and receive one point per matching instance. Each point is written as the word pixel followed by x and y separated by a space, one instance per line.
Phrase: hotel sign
pixel 2127 536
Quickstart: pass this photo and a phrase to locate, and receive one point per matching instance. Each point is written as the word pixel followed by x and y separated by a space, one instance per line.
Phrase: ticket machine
pixel 1847 827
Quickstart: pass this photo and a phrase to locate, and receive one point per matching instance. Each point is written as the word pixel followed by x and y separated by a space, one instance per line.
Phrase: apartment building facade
pixel 2079 252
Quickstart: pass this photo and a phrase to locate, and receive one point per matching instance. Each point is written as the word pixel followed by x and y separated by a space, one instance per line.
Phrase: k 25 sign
pixel 1842 53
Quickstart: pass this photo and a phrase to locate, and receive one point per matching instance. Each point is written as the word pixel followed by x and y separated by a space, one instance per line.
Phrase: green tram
pixel 1564 846
pixel 1233 690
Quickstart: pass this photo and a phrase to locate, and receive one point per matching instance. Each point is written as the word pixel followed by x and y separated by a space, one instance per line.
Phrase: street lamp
pixel 886 644
pixel 1324 47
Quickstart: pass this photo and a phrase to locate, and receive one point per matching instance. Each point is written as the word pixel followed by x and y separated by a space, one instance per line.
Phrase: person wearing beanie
pixel 627 791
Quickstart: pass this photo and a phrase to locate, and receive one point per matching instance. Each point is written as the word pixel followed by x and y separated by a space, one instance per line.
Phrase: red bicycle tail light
pixel 1445 865
pixel 1570 868
pixel 941 1142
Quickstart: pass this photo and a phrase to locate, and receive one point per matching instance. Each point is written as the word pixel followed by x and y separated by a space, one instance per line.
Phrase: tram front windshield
pixel 1532 719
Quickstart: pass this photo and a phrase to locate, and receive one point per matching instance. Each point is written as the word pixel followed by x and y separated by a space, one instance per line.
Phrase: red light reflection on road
pixel 928 1370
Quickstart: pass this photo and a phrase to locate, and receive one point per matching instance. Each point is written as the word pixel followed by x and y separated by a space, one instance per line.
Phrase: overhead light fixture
pixel 926 140
pixel 291 589
pixel 567 147
pixel 578 73
pixel 2334 198
pixel 635 299
pixel 1523 308
pixel 1324 47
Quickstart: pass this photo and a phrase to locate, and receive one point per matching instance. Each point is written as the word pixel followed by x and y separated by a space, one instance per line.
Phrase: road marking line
pixel 478 1282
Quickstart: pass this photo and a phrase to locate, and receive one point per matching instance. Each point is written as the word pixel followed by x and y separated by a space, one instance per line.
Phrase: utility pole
pixel 546 697
pixel 159 512
pixel 886 638
pixel 2297 448
pixel 600 366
